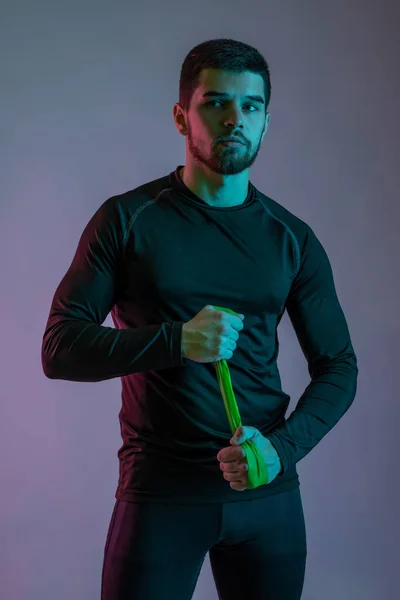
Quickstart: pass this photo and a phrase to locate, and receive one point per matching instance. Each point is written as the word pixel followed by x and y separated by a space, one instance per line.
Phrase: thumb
pixel 242 434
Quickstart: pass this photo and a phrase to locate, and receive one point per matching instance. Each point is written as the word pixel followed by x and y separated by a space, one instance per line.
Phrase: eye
pixel 219 102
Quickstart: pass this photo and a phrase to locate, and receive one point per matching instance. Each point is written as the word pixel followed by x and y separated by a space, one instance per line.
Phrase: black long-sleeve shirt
pixel 154 257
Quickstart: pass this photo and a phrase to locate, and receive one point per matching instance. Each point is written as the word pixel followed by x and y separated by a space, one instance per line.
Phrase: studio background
pixel 87 91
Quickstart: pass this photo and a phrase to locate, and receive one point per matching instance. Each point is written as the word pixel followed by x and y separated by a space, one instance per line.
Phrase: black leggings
pixel 257 549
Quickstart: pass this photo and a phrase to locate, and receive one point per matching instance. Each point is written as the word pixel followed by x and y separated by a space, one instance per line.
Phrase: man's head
pixel 237 71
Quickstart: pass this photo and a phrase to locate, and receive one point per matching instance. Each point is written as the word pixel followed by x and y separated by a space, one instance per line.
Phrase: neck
pixel 230 192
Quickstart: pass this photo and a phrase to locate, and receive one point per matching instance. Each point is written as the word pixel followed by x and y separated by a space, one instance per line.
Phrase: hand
pixel 211 335
pixel 233 461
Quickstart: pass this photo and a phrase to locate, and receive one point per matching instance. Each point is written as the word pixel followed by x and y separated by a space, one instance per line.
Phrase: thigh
pixel 262 549
pixel 156 551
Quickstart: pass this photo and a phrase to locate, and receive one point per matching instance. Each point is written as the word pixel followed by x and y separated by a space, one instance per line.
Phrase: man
pixel 160 257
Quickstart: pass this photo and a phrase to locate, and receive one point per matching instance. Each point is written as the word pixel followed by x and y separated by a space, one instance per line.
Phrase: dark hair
pixel 225 54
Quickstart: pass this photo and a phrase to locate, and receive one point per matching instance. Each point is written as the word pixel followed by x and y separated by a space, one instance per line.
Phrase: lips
pixel 232 142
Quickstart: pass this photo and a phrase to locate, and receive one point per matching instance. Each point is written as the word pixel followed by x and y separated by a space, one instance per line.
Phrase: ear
pixel 267 120
pixel 179 118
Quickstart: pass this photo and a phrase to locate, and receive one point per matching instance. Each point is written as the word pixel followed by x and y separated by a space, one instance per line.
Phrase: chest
pixel 215 263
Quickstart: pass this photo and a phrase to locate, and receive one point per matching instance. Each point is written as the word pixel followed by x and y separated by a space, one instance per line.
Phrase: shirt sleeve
pixel 321 329
pixel 76 346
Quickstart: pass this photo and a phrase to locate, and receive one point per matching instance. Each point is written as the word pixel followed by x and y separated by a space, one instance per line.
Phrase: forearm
pixel 326 399
pixel 77 350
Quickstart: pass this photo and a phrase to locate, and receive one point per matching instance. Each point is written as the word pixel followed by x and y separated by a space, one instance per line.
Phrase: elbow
pixel 354 364
pixel 49 368
pixel 50 356
pixel 50 363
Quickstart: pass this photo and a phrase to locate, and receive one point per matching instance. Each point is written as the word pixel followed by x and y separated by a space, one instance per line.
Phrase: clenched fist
pixel 211 335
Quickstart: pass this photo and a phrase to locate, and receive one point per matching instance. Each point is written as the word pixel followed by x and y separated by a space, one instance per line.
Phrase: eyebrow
pixel 213 93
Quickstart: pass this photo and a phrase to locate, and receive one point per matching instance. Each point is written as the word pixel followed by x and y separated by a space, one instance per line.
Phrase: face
pixel 212 119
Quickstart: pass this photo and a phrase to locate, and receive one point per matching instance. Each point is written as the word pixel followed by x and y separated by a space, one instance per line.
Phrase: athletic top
pixel 155 256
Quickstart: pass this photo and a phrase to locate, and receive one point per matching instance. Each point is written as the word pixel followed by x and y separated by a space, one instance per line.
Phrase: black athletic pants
pixel 257 549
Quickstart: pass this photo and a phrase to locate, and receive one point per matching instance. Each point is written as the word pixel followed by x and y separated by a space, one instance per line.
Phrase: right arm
pixel 76 346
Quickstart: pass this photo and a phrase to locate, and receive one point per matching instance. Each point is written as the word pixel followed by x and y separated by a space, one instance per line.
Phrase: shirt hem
pixel 131 495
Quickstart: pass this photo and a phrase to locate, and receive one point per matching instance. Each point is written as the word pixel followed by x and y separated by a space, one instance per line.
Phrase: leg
pixel 262 551
pixel 156 551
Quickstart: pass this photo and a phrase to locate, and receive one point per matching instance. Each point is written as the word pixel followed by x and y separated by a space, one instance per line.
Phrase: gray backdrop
pixel 87 90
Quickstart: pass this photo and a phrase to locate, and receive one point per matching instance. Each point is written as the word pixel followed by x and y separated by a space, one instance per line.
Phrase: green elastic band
pixel 258 471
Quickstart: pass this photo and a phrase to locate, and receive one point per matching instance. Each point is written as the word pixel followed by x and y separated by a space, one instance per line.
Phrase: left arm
pixel 321 328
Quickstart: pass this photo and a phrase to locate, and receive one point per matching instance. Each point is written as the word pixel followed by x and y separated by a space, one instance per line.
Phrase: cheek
pixel 202 128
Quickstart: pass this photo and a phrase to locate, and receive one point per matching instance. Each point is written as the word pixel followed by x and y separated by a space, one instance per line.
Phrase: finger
pixel 236 465
pixel 232 467
pixel 239 452
pixel 228 455
pixel 238 486
pixel 239 471
pixel 231 454
pixel 235 476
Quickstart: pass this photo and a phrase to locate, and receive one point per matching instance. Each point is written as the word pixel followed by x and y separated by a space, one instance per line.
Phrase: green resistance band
pixel 258 471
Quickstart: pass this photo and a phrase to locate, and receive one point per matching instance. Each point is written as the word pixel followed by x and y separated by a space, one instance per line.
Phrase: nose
pixel 234 118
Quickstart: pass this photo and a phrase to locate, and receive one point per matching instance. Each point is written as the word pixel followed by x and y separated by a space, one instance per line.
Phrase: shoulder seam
pixel 296 243
pixel 137 213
